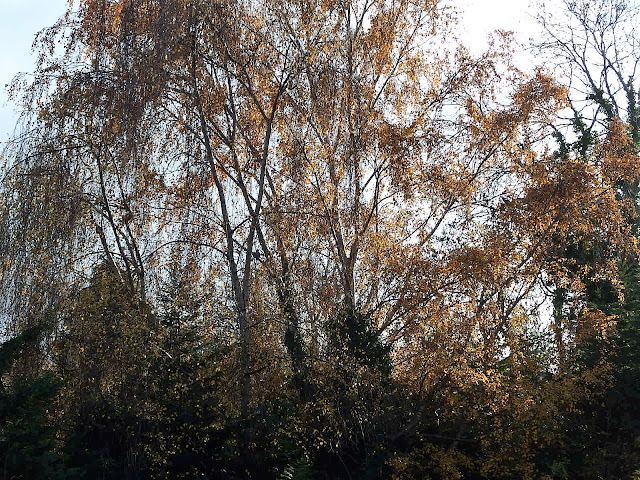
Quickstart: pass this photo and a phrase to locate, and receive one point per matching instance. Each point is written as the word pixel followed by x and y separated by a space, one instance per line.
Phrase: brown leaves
pixel 316 157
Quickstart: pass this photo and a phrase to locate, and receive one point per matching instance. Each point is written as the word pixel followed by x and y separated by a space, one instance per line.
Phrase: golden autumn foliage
pixel 374 220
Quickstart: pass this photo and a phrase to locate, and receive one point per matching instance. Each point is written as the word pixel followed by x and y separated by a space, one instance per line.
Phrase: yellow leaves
pixel 406 182
pixel 417 464
pixel 616 155
pixel 541 96
pixel 594 324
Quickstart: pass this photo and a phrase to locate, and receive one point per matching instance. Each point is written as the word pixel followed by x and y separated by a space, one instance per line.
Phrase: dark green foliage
pixel 299 470
pixel 28 433
pixel 188 436
pixel 346 429
pixel 613 420
pixel 602 435
pixel 354 338
pixel 585 140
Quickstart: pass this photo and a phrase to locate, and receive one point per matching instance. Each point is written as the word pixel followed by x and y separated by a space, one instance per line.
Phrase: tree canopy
pixel 265 239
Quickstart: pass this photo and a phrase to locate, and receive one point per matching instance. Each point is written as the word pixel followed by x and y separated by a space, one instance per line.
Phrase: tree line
pixel 320 239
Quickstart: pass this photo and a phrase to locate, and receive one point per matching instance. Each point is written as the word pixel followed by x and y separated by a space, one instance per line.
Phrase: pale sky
pixel 480 17
pixel 20 20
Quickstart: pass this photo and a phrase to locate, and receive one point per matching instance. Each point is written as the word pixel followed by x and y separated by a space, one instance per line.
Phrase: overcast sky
pixel 479 17
pixel 20 20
